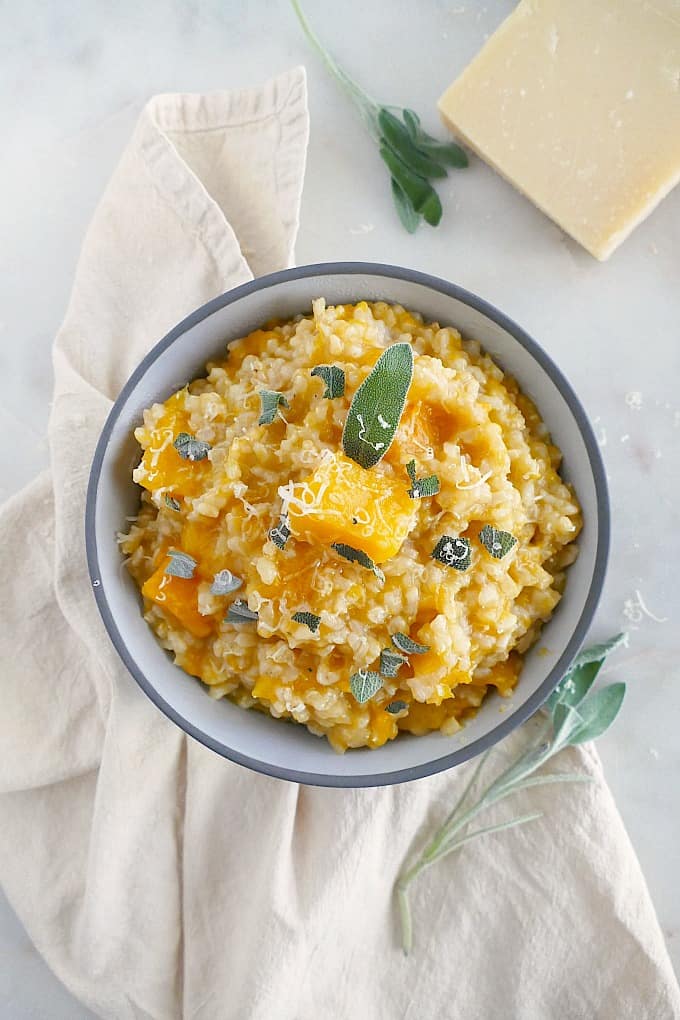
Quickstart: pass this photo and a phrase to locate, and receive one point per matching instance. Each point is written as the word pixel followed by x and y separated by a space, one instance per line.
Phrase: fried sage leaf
pixel 395 707
pixel 310 620
pixel 391 662
pixel 497 543
pixel 334 379
pixel 225 582
pixel 190 448
pixel 364 684
pixel 180 565
pixel 239 612
pixel 421 487
pixel 407 645
pixel 358 556
pixel 279 534
pixel 270 400
pixel 453 552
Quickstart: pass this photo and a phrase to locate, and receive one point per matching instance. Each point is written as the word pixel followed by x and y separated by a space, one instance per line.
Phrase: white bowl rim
pixel 522 712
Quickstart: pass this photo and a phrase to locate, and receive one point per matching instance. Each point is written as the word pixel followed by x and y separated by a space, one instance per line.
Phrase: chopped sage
pixel 391 662
pixel 395 707
pixel 270 401
pixel 180 565
pixel 239 612
pixel 310 620
pixel 334 379
pixel 225 582
pixel 171 503
pixel 364 684
pixel 279 534
pixel 358 556
pixel 453 552
pixel 377 406
pixel 406 644
pixel 421 486
pixel 190 448
pixel 496 542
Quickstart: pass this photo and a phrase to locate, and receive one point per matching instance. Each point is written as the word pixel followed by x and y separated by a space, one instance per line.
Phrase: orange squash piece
pixel 164 468
pixel 342 502
pixel 178 596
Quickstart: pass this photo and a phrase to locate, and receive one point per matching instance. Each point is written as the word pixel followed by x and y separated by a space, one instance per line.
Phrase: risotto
pixel 354 521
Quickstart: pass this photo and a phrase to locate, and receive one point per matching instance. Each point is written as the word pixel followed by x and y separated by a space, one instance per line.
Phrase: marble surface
pixel 73 78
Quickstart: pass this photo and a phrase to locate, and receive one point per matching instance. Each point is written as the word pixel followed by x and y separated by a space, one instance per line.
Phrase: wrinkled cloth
pixel 159 880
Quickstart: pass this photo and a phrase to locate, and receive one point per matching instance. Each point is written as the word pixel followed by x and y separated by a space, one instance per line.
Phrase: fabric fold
pixel 159 880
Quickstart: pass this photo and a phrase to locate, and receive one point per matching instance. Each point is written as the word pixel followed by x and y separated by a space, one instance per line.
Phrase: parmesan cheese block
pixel 577 103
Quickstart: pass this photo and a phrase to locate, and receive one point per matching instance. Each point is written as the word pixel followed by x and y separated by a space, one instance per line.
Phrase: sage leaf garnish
pixel 334 379
pixel 395 707
pixel 190 448
pixel 239 612
pixel 279 534
pixel 225 582
pixel 180 565
pixel 377 406
pixel 413 157
pixel 270 401
pixel 453 552
pixel 310 620
pixel 391 662
pixel 364 684
pixel 496 542
pixel 172 503
pixel 358 556
pixel 407 645
pixel 588 716
pixel 421 487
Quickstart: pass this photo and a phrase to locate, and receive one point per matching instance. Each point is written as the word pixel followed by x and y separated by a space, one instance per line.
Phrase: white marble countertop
pixel 74 78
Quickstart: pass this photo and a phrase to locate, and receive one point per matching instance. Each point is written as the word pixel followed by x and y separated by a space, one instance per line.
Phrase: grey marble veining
pixel 73 78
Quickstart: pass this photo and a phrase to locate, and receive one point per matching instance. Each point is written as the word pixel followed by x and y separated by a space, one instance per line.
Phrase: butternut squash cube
pixel 369 510
pixel 178 596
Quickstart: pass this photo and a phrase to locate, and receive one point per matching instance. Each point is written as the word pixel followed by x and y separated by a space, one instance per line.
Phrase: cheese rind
pixel 578 105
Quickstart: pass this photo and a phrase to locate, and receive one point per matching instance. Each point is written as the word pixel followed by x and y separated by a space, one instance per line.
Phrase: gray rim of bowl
pixel 523 712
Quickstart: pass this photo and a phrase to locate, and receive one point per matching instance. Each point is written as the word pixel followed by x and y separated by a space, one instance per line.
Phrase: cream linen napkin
pixel 159 880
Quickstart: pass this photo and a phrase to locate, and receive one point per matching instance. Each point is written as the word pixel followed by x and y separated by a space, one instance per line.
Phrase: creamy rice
pixel 464 422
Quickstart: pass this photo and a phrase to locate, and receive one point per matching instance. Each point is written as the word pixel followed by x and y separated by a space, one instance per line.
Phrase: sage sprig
pixel 573 715
pixel 412 156
pixel 377 406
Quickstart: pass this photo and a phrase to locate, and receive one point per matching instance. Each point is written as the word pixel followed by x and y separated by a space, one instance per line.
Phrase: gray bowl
pixel 286 750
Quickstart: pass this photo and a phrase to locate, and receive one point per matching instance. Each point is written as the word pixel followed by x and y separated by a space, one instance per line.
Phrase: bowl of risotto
pixel 347 525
